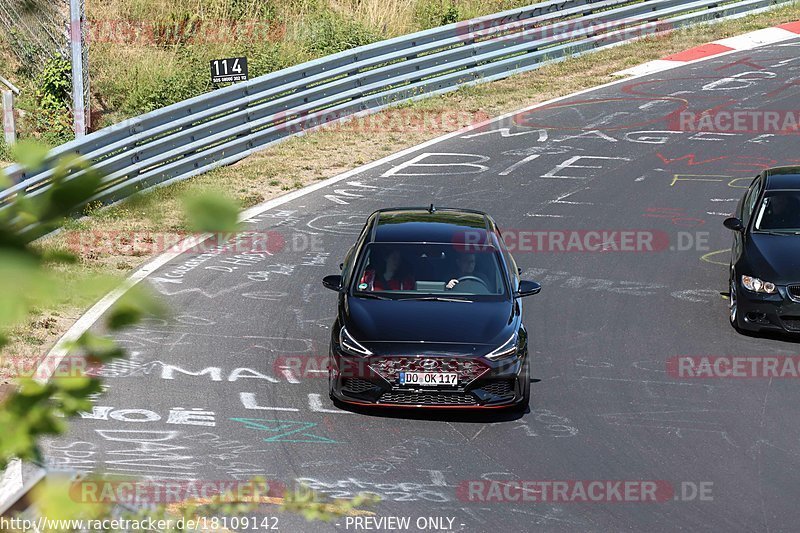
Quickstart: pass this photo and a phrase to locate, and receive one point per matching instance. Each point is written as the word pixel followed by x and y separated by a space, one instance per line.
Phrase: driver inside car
pixel 465 263
pixel 783 214
pixel 389 273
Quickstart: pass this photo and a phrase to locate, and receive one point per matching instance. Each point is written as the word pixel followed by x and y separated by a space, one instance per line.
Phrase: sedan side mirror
pixel 733 224
pixel 333 283
pixel 527 288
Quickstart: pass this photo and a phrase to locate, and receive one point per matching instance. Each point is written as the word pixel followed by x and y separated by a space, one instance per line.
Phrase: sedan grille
pixel 794 292
pixel 468 369
pixel 427 398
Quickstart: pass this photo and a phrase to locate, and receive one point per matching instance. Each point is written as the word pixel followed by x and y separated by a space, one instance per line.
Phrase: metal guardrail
pixel 227 125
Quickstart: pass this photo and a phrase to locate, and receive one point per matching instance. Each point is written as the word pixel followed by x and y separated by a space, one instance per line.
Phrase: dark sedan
pixel 765 260
pixel 430 314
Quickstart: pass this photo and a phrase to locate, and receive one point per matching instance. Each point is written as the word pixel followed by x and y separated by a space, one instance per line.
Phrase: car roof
pixel 783 178
pixel 420 224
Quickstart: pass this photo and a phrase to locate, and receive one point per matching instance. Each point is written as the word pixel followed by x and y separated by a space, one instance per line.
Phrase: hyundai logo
pixel 429 364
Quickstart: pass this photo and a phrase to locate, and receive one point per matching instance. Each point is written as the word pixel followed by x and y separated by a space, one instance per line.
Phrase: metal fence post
pixel 9 126
pixel 79 104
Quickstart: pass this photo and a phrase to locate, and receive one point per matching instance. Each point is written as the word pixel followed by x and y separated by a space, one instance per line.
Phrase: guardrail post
pixel 9 126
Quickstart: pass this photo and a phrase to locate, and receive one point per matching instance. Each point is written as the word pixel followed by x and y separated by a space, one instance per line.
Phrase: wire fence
pixel 36 30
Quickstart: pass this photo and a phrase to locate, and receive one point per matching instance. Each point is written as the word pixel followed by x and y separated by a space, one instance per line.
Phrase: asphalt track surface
pixel 602 330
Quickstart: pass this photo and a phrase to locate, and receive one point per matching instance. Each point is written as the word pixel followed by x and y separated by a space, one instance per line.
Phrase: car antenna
pixel 431 209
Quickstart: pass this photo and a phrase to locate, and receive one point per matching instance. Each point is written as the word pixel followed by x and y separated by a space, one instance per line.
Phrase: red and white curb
pixel 747 41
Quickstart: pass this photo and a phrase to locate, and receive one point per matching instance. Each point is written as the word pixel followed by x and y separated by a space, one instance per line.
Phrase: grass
pixel 305 160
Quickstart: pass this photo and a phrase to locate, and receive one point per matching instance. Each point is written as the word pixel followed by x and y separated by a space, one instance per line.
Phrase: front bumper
pixel 772 312
pixel 374 381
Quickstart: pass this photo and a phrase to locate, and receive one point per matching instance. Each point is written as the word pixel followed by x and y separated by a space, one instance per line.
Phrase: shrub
pixel 54 85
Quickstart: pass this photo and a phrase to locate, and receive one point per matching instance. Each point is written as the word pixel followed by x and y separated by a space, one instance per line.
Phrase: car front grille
pixel 794 292
pixel 791 323
pixel 502 388
pixel 468 370
pixel 357 385
pixel 427 398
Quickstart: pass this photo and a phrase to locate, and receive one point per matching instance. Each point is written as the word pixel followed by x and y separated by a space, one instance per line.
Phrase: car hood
pixel 411 321
pixel 774 258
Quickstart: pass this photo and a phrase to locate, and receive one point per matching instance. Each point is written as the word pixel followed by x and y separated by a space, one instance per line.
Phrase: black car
pixel 765 259
pixel 429 314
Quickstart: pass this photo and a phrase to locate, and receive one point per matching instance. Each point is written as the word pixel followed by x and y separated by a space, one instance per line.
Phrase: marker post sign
pixel 228 70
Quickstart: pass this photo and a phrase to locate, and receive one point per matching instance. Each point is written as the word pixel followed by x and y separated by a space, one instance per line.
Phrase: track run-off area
pixel 230 386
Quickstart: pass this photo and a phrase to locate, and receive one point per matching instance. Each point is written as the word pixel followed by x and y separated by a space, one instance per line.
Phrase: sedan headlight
pixel 507 349
pixel 351 346
pixel 756 285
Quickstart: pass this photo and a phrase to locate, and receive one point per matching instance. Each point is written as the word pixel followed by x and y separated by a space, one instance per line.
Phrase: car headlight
pixel 756 285
pixel 350 345
pixel 507 349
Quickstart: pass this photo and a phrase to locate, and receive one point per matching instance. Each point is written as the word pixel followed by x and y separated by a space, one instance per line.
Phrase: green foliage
pixel 432 13
pixel 28 153
pixel 49 126
pixel 263 58
pixel 328 33
pixel 54 85
pixel 210 212
pixel 152 91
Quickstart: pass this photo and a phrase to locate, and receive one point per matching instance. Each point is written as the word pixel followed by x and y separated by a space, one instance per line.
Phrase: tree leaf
pixel 210 212
pixel 29 153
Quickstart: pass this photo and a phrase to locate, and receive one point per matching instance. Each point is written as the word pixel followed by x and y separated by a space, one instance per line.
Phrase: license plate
pixel 428 379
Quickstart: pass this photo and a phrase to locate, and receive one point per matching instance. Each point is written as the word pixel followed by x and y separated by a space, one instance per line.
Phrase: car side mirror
pixel 733 224
pixel 341 266
pixel 333 283
pixel 527 288
pixel 519 270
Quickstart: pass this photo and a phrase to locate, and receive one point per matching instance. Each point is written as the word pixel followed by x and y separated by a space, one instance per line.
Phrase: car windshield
pixel 430 270
pixel 779 212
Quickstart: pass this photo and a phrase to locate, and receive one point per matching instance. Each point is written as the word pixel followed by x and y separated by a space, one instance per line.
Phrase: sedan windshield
pixel 779 212
pixel 430 271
